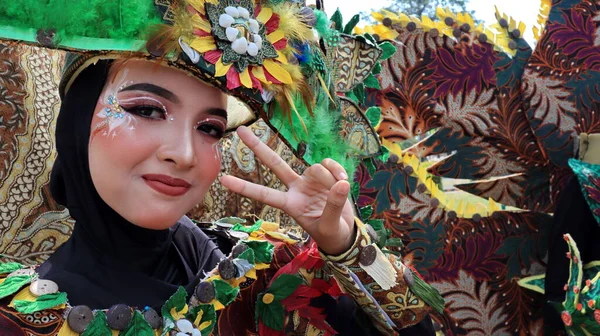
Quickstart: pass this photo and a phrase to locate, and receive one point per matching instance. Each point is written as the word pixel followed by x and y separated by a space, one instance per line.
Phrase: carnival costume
pixel 457 100
pixel 304 75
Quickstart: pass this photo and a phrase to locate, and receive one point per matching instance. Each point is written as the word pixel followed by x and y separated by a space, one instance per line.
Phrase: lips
pixel 167 185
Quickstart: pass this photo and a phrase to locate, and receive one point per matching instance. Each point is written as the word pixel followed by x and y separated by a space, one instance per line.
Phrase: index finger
pixel 267 156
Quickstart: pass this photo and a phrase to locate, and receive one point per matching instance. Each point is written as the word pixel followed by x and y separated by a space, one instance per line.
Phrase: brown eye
pixel 211 130
pixel 149 112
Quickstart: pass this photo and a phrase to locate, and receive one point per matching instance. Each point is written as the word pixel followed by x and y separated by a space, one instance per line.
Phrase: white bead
pixel 191 53
pixel 22 272
pixel 185 326
pixel 240 45
pixel 232 33
pixel 258 41
pixel 252 49
pixel 254 27
pixel 225 20
pixel 43 287
pixel 243 13
pixel 234 12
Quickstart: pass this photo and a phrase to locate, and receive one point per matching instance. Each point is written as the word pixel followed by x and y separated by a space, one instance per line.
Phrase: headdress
pixel 292 66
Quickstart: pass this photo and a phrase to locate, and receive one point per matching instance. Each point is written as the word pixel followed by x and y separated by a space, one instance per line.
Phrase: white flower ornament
pixel 186 328
pixel 241 30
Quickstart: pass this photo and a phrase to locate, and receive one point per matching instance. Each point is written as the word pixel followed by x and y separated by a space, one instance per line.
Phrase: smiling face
pixel 154 143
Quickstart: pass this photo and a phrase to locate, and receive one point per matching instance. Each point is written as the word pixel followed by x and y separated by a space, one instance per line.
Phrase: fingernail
pixel 343 189
pixel 343 176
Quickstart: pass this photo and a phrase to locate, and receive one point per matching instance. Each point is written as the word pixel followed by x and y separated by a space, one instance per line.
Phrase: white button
pixel 21 272
pixel 239 235
pixel 43 287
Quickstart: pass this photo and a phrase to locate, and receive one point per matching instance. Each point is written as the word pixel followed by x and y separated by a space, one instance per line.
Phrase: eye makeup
pixel 213 127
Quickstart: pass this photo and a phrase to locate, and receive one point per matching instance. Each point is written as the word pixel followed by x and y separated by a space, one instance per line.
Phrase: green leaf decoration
pixel 427 293
pixel 385 154
pixel 43 302
pixel 370 38
pixel 10 267
pixel 98 326
pixel 377 224
pixel 351 24
pixel 352 96
pixel 372 82
pixel 247 229
pixel 138 327
pixel 248 255
pixel 284 286
pixel 208 314
pixel 355 190
pixel 271 315
pixel 388 50
pixel 177 301
pixel 396 242
pixel 374 114
pixel 383 236
pixel 370 164
pixel 337 19
pixel 365 212
pixel 11 285
pixel 376 69
pixel 263 250
pixel 359 92
pixel 224 293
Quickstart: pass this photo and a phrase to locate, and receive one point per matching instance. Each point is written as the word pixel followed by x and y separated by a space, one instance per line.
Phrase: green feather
pixel 323 138
pixel 75 19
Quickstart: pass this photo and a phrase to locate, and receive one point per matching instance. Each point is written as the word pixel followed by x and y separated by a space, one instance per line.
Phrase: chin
pixel 156 220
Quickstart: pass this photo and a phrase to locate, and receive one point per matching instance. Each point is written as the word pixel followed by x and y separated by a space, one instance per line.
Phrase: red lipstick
pixel 167 185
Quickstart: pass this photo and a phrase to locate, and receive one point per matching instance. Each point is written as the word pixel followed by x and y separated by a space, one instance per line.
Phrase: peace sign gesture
pixel 317 200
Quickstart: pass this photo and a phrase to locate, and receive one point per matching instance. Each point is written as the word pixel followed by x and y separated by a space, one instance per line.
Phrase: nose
pixel 178 148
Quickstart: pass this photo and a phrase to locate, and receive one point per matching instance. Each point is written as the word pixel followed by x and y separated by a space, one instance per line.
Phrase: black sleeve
pixel 196 249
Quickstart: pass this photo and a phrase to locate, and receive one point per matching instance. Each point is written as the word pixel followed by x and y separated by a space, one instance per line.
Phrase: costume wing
pixel 482 127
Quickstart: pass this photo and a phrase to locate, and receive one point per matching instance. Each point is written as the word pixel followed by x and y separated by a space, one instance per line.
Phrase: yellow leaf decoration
pixel 203 44
pixel 245 78
pixel 221 69
pixel 65 330
pixel 178 315
pixel 265 15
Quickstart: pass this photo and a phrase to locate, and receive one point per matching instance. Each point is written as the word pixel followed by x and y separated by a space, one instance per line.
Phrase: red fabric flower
pixel 566 317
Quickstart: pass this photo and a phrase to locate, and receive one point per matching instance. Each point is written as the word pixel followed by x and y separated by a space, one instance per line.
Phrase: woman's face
pixel 154 142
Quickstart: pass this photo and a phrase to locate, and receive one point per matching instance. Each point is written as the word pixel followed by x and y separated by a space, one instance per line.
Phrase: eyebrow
pixel 155 89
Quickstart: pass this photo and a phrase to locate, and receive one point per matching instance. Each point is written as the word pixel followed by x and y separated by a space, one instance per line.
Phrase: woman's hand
pixel 317 200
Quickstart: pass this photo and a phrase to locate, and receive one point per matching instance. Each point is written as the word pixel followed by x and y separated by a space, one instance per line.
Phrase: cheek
pixel 209 164
pixel 114 154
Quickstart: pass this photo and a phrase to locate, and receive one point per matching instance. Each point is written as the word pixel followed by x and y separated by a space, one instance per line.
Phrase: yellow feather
pixel 278 71
pixel 290 23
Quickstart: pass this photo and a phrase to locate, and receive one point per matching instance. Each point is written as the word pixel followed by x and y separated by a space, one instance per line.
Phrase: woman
pixel 138 147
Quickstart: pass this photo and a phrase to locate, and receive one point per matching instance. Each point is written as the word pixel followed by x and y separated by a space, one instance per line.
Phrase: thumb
pixel 336 200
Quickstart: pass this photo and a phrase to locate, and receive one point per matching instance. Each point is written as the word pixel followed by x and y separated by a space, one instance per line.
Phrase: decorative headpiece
pixel 292 66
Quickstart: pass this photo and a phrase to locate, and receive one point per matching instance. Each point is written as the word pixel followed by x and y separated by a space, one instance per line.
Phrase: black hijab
pixel 108 260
